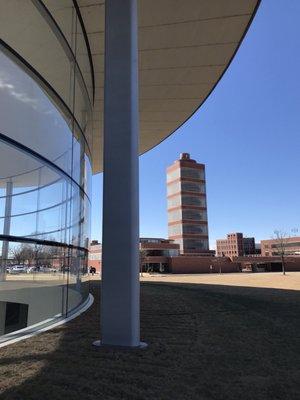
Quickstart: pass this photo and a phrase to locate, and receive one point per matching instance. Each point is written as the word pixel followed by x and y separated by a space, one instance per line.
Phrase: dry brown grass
pixel 205 342
pixel 273 280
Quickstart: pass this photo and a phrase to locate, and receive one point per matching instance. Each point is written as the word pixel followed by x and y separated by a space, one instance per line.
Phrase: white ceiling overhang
pixel 184 48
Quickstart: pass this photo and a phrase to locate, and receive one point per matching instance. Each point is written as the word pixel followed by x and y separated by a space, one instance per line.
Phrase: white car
pixel 46 269
pixel 17 269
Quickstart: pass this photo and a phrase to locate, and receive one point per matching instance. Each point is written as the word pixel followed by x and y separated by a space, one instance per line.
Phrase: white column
pixel 120 301
pixel 6 228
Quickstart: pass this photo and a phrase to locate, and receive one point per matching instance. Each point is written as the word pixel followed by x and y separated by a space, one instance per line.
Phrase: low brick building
pixel 268 264
pixel 202 265
pixel 199 265
pixel 162 255
pixel 156 253
pixel 273 247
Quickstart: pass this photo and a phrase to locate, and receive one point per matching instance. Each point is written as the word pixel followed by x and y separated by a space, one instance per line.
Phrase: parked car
pixel 30 270
pixel 46 269
pixel 17 269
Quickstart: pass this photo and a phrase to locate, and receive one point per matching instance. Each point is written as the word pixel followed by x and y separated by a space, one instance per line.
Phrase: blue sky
pixel 248 135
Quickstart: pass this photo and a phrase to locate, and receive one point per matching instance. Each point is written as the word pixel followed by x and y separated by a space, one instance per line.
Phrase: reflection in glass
pixel 44 204
pixel 41 282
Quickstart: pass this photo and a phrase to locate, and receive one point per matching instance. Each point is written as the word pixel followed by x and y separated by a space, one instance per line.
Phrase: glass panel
pixel 174 215
pixel 35 285
pixel 25 202
pixel 2 205
pixel 174 201
pixel 192 187
pixel 39 202
pixel 193 201
pixel 23 225
pixel 87 177
pixel 46 52
pixel 194 214
pixel 26 111
pixel 173 188
pixel 64 14
pixel 193 173
pixel 175 230
pixel 197 229
pixel 195 244
pixel 171 176
pixel 51 195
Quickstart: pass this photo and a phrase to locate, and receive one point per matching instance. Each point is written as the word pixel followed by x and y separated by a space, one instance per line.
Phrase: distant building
pixel 258 249
pixel 235 246
pixel 267 264
pixel 163 255
pixel 156 252
pixel 95 255
pixel 249 246
pixel 230 247
pixel 272 247
pixel 187 207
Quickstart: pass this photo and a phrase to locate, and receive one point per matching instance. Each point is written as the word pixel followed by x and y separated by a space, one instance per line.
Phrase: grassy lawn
pixel 205 342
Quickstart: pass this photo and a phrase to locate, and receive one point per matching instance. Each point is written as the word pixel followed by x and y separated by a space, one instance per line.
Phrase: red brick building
pixel 162 255
pixel 202 265
pixel 274 247
pixel 187 205
pixel 267 264
pixel 235 246
pixel 95 255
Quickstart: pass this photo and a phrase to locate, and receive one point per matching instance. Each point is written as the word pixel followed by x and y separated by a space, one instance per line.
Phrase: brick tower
pixel 187 209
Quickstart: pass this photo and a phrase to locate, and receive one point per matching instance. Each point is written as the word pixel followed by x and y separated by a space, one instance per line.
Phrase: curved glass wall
pixel 45 168
pixel 54 51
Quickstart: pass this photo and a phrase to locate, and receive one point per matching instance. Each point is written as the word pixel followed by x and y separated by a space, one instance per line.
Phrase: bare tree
pixel 17 255
pixel 281 246
pixel 23 253
pixel 34 254
pixel 143 256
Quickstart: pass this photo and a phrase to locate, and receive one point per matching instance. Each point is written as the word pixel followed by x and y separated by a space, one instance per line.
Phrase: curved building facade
pixel 46 95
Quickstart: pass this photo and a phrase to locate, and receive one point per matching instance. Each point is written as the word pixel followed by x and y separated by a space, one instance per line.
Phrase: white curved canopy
pixel 184 48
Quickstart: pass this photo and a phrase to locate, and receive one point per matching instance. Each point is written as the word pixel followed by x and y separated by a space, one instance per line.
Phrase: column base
pixel 98 343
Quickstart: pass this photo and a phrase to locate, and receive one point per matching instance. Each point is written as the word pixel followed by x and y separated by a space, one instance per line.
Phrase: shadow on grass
pixel 205 342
